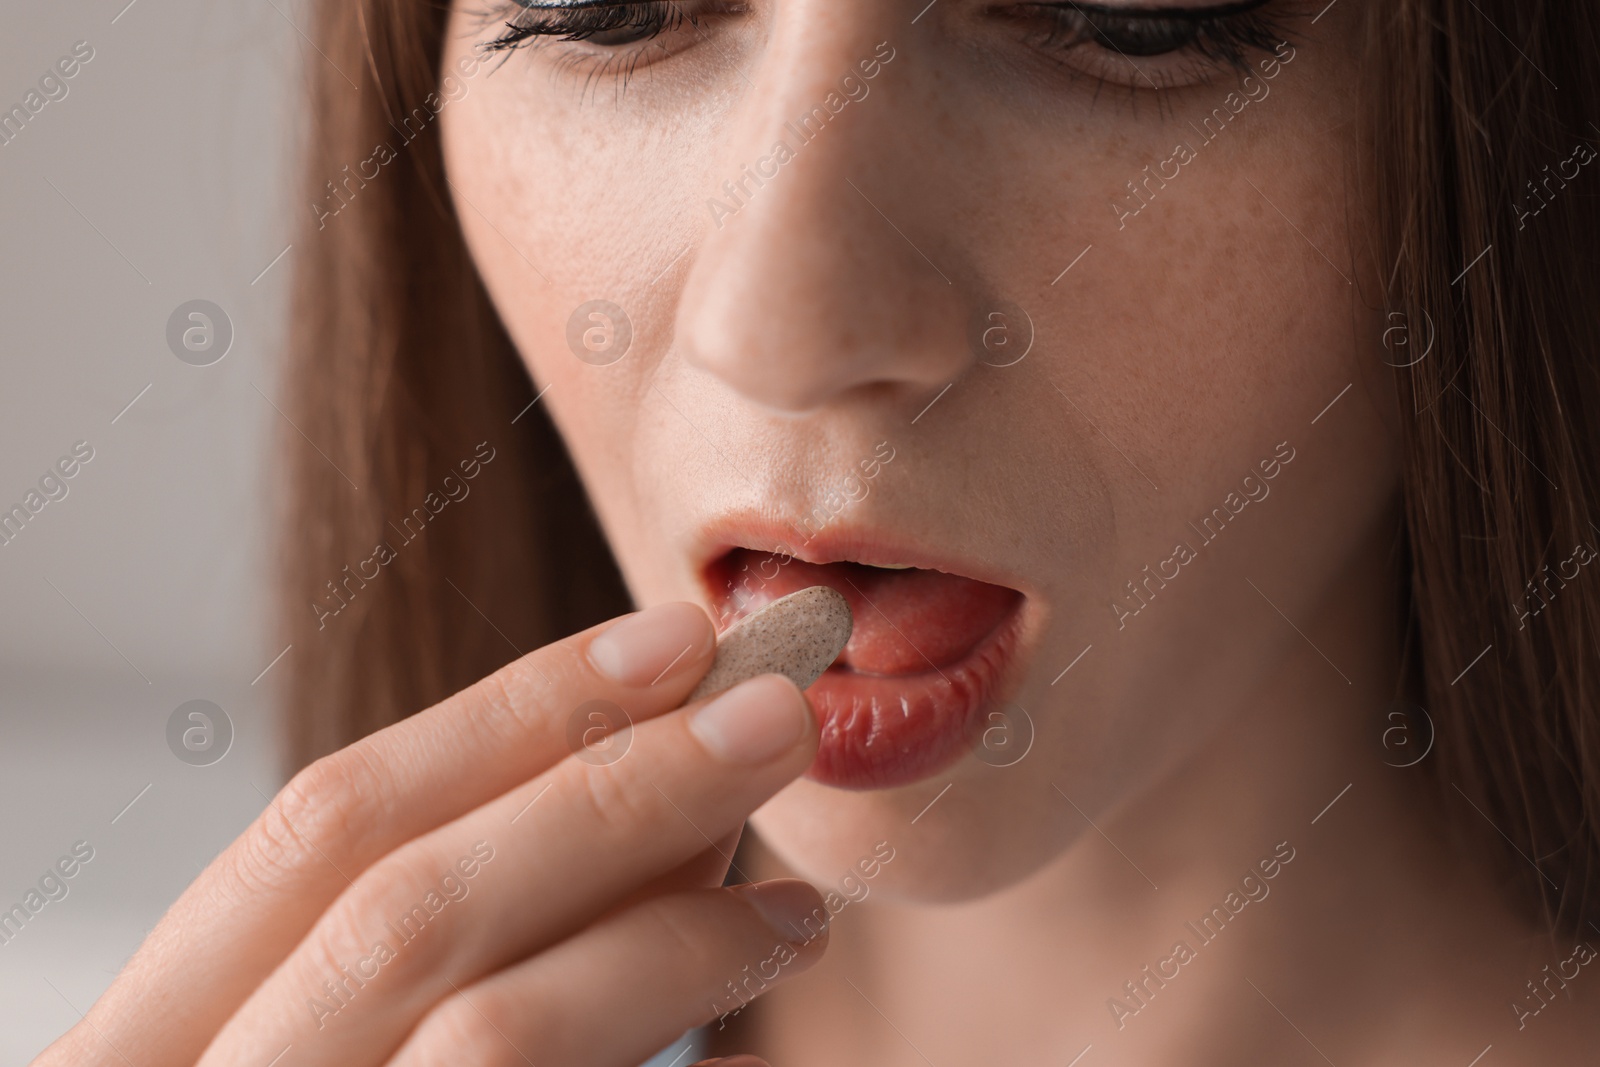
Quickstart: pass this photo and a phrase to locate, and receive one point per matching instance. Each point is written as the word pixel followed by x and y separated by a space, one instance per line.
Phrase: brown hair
pixel 399 368
pixel 1476 107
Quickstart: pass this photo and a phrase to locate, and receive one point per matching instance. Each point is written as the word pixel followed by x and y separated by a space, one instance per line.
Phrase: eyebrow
pixel 1238 7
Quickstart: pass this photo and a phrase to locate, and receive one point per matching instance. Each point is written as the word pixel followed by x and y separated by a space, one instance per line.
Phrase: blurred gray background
pixel 159 178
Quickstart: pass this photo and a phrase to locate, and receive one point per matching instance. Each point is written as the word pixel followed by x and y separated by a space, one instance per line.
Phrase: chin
pixel 974 841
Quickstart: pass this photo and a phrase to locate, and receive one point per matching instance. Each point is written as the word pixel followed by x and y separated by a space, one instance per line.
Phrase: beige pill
pixel 797 636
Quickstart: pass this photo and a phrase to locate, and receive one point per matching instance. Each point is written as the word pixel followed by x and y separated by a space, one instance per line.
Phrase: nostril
pixel 794 346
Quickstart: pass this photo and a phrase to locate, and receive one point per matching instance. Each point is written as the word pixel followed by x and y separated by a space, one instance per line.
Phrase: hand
pixel 464 888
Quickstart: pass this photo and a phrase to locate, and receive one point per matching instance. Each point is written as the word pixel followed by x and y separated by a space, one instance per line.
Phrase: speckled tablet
pixel 797 636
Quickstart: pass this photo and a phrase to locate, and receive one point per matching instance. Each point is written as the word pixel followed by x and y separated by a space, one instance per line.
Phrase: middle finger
pixel 547 857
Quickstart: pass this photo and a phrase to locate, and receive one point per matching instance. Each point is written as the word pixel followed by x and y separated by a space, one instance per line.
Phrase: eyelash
pixel 583 20
pixel 1223 34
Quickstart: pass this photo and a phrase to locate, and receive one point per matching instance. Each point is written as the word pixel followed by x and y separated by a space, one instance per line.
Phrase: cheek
pixel 1221 318
pixel 574 242
pixel 1218 322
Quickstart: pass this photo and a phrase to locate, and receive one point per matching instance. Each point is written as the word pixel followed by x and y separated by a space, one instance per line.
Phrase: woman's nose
pixel 826 265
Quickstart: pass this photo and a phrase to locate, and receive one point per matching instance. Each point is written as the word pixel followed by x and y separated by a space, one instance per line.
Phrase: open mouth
pixel 925 659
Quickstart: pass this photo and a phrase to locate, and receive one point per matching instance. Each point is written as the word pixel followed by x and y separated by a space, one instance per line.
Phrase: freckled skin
pixel 770 357
pixel 1190 344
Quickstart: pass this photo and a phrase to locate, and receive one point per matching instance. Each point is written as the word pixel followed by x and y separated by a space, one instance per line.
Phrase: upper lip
pixel 841 541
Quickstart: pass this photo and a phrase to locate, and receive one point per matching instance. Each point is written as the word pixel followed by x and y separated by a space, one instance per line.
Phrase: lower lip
pixel 919 715
pixel 882 731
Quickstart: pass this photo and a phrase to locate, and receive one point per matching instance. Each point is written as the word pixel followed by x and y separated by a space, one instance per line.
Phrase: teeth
pixel 896 567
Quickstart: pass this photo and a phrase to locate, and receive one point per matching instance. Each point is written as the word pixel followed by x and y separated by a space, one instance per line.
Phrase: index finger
pixel 346 811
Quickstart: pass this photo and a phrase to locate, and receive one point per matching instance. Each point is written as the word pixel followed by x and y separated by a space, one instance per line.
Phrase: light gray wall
pixel 158 179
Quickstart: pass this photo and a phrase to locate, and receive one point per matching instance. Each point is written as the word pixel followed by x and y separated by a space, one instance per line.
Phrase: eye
pixel 1149 47
pixel 602 25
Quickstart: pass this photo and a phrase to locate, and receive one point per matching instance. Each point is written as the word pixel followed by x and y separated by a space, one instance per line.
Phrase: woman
pixel 1190 401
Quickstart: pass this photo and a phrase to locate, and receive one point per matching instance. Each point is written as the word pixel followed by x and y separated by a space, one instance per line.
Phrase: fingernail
pixel 647 647
pixel 754 721
pixel 792 908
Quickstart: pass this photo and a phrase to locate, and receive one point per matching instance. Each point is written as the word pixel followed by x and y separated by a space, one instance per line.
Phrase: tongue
pixel 906 621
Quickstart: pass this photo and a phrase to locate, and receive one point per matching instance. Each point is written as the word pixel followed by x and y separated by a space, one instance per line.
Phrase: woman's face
pixel 1049 304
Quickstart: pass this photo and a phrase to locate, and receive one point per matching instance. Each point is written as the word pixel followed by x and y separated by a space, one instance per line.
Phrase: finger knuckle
pixel 319 817
pixel 520 700
pixel 482 1027
pixel 687 936
pixel 339 940
pixel 508 702
pixel 397 900
pixel 620 803
pixel 526 686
